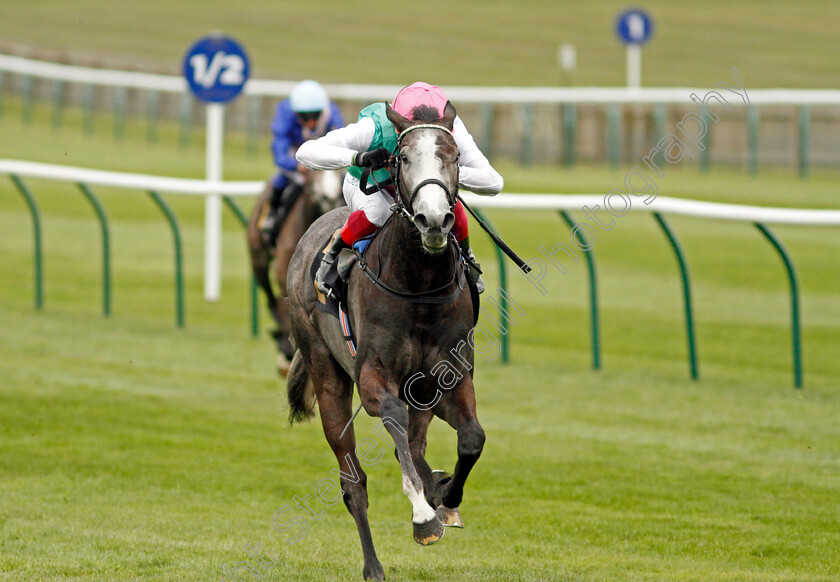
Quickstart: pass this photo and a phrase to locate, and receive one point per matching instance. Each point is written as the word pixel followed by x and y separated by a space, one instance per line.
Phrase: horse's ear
pixel 400 122
pixel 449 114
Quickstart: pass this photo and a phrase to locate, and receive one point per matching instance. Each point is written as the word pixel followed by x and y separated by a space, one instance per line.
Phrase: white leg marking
pixel 422 512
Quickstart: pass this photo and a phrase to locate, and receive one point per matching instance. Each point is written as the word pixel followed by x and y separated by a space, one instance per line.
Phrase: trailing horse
pixel 321 193
pixel 409 315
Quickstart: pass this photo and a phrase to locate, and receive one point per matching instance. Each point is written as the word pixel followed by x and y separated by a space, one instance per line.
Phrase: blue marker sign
pixel 216 68
pixel 634 26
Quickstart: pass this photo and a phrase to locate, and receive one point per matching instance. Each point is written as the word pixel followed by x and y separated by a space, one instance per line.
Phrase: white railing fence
pixel 562 203
pixel 554 124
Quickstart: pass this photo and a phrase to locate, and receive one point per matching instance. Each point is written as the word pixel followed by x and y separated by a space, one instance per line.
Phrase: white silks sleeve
pixel 336 150
pixel 476 173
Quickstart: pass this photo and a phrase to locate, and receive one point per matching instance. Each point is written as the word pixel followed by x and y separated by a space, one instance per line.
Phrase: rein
pixel 428 297
pixel 452 200
pixel 399 209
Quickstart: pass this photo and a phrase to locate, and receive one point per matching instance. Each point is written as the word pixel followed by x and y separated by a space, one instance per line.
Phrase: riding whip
pixel 499 242
pixel 349 422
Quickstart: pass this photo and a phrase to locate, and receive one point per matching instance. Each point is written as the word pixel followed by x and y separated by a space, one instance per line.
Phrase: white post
pixel 567 60
pixel 634 66
pixel 213 203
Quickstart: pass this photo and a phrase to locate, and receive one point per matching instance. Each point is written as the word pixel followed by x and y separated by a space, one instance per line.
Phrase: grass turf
pixel 469 42
pixel 132 450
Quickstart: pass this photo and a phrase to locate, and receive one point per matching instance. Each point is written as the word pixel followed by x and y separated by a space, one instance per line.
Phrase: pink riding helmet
pixel 419 94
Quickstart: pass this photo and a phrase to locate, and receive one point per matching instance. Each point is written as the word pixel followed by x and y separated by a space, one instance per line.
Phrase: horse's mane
pixel 426 114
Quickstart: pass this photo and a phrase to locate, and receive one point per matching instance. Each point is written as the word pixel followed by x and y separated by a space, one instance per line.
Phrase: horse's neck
pixel 323 187
pixel 406 265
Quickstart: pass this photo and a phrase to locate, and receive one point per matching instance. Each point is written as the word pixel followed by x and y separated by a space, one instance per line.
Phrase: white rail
pixel 265 87
pixel 663 204
pixel 128 180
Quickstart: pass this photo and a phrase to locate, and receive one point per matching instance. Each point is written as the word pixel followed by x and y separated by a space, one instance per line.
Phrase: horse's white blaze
pixel 421 512
pixel 331 184
pixel 326 188
pixel 431 199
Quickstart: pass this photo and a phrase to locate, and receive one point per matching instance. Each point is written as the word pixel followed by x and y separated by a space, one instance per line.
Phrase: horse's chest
pixel 420 345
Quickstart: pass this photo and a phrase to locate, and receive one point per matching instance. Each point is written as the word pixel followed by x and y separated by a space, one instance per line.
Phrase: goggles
pixel 308 115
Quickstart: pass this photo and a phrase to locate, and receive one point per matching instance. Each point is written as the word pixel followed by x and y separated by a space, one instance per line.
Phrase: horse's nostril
pixel 421 221
pixel 448 222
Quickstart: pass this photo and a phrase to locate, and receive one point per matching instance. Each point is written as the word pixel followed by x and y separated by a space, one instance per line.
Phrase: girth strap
pixel 424 296
pixel 417 297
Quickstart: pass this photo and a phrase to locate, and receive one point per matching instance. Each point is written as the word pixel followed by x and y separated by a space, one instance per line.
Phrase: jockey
pixel 307 114
pixel 362 144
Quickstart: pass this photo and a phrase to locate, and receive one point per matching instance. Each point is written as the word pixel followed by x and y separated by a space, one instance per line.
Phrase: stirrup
pixel 267 226
pixel 479 285
pixel 474 276
pixel 326 291
pixel 320 274
pixel 322 287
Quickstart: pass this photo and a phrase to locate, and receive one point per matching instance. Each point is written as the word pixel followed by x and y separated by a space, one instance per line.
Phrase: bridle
pixel 402 206
pixel 403 209
pixel 405 206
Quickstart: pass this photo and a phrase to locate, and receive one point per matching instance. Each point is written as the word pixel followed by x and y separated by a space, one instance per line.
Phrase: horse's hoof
pixel 374 572
pixel 283 365
pixel 428 533
pixel 450 517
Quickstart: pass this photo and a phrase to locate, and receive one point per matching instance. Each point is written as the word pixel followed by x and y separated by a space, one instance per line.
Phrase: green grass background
pixel 773 43
pixel 131 450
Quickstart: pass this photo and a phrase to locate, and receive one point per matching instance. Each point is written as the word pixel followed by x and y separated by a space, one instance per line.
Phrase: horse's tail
pixel 299 391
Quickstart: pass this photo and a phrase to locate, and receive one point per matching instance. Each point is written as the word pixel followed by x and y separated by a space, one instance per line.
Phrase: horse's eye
pixel 404 158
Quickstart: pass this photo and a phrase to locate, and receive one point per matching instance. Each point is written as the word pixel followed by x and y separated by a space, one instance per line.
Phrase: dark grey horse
pixel 321 193
pixel 412 325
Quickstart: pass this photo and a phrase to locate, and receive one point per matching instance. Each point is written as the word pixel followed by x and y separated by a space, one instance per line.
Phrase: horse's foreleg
pixel 427 527
pixel 459 411
pixel 418 425
pixel 470 445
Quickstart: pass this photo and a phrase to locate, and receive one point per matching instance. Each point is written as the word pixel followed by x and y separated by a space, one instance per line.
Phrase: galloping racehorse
pixel 321 193
pixel 409 316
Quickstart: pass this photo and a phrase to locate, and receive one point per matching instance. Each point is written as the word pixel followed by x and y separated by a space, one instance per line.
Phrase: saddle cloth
pixel 336 279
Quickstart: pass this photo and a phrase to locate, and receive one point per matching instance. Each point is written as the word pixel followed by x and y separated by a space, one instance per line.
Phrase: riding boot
pixel 473 276
pixel 288 198
pixel 330 255
pixel 270 221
